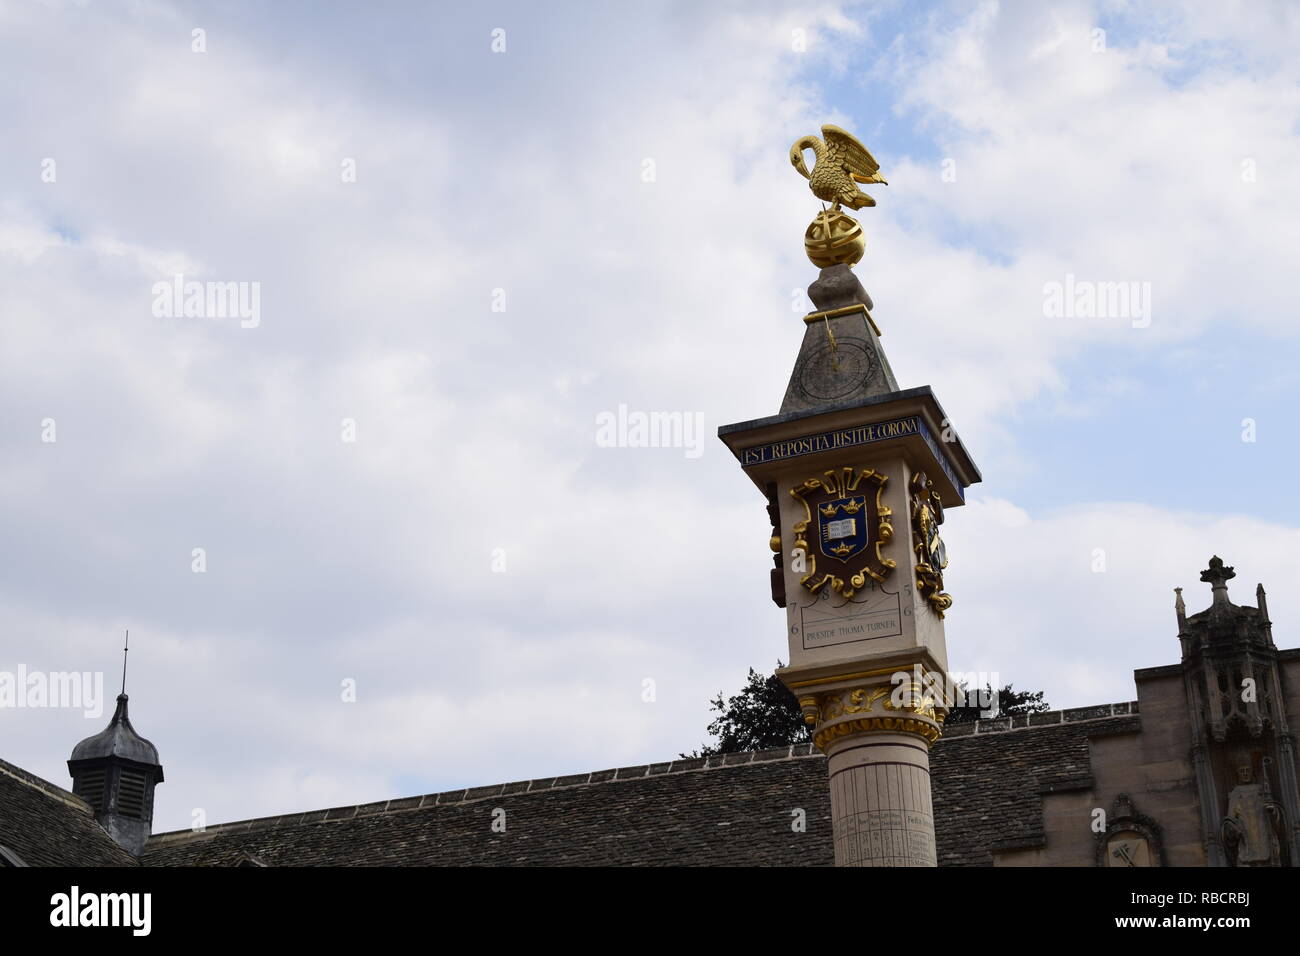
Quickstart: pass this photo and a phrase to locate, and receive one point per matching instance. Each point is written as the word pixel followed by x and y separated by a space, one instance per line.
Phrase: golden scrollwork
pixel 931 553
pixel 915 701
pixel 907 708
pixel 857 701
pixel 863 699
pixel 839 483
pixel 917 726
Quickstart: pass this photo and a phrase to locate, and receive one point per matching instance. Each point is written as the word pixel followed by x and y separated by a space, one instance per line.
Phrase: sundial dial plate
pixel 829 373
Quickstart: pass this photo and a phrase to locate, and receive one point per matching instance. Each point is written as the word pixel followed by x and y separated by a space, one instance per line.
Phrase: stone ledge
pixel 1152 673
pixel 1050 718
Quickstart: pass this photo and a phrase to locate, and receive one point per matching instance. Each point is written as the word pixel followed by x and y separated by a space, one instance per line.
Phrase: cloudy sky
pixel 474 230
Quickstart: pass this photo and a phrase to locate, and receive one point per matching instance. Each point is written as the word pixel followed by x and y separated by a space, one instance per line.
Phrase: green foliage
pixel 1010 703
pixel 764 714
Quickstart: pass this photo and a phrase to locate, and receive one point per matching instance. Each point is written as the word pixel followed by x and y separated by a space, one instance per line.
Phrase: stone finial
pixel 1180 608
pixel 1261 601
pixel 1218 576
pixel 836 288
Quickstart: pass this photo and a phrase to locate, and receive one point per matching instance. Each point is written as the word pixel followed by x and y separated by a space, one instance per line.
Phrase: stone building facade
pixel 1208 778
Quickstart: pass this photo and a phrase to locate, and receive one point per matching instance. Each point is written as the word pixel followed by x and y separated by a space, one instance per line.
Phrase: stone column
pixel 877 741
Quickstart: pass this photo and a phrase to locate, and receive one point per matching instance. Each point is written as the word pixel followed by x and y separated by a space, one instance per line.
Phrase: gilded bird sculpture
pixel 841 163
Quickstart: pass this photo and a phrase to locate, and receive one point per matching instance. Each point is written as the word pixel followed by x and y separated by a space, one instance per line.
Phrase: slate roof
pixel 48 826
pixel 733 810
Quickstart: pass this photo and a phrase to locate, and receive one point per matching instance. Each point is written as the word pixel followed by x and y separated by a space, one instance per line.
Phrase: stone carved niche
pixel 1130 839
pixel 1252 822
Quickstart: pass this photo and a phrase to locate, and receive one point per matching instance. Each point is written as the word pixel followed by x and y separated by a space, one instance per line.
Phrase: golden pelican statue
pixel 841 163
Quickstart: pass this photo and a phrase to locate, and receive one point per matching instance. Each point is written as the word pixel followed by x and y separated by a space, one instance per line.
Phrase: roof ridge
pixel 43 785
pixel 1048 718
pixel 464 795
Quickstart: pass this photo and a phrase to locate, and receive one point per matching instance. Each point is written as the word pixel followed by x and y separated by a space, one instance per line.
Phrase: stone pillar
pixel 877 738
pixel 880 802
pixel 857 474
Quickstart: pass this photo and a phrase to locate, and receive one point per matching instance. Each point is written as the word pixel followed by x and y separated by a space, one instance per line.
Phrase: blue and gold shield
pixel 842 527
pixel 851 529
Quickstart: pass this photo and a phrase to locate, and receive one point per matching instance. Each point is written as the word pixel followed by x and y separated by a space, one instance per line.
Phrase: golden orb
pixel 834 237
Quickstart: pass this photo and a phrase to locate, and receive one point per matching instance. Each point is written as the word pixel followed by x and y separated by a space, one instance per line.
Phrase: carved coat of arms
pixel 931 554
pixel 847 523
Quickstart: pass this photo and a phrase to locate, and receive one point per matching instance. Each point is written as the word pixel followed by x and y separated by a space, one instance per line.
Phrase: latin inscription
pixel 850 438
pixel 823 623
pixel 851 632
pixel 828 441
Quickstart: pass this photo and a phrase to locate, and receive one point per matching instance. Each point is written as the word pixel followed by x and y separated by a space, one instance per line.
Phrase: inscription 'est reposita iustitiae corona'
pixel 827 441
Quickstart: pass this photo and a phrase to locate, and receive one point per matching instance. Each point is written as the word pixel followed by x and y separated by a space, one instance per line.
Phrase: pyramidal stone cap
pixel 118 739
pixel 841 359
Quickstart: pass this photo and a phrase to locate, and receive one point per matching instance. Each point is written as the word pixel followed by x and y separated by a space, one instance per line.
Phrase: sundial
pixel 836 369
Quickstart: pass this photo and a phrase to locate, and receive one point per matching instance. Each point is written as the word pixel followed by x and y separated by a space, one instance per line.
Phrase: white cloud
pixel 1030 606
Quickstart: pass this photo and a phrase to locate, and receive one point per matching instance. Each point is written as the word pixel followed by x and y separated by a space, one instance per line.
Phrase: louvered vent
pixel 130 794
pixel 90 787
